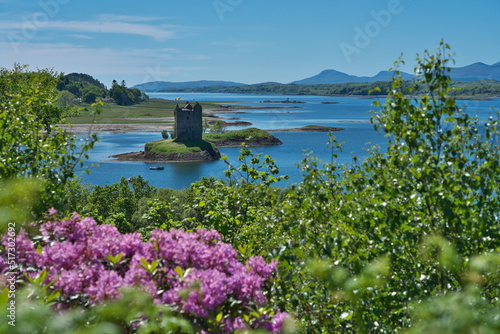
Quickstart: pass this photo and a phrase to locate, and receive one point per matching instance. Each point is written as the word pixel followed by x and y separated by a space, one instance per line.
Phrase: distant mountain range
pixel 336 77
pixel 473 72
pixel 476 71
pixel 158 86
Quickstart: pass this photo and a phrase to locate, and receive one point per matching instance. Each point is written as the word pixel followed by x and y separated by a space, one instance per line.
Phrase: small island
pixel 168 150
pixel 250 137
pixel 191 144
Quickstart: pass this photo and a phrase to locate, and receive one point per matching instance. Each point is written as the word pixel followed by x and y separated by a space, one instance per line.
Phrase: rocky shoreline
pixel 146 156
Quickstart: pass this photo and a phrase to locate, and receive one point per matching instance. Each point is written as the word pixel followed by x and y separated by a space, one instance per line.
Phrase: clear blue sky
pixel 247 41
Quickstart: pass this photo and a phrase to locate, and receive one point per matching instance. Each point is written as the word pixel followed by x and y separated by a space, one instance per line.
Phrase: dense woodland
pixel 406 240
pixel 78 88
pixel 468 89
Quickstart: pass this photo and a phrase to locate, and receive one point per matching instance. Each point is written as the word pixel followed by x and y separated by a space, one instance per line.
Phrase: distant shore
pixel 158 127
pixel 158 124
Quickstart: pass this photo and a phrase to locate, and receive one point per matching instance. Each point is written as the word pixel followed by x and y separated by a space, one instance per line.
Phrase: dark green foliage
pixel 84 79
pixel 89 90
pixel 124 96
pixel 90 94
pixel 82 86
pixel 237 208
pixel 116 204
pixel 74 88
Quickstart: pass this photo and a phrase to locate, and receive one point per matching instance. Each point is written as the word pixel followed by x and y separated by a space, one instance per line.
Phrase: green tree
pixel 218 127
pixel 437 180
pixel 67 100
pixel 31 145
pixel 116 204
pixel 91 93
pixel 124 96
pixel 205 125
pixel 75 88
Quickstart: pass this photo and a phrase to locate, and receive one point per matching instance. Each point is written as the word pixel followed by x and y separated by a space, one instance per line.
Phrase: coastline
pixel 159 127
pixel 115 128
pixel 159 124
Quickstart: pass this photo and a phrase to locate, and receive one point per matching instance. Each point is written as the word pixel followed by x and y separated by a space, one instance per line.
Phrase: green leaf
pixel 179 271
pixel 53 296
pixel 115 259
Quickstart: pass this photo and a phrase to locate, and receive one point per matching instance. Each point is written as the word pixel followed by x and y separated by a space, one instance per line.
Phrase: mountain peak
pixel 475 71
pixel 335 77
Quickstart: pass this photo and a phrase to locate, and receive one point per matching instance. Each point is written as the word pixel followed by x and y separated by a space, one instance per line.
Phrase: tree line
pixel 467 89
pixel 78 88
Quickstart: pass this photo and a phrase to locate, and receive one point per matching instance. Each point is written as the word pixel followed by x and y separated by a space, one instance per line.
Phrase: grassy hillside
pixel 146 112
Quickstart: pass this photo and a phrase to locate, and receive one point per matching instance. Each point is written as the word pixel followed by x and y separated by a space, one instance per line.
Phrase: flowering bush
pixel 82 263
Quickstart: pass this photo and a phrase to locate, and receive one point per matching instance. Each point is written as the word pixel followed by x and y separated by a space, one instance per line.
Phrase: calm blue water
pixel 350 113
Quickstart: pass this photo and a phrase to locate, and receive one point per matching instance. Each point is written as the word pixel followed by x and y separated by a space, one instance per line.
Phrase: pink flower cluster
pixel 194 272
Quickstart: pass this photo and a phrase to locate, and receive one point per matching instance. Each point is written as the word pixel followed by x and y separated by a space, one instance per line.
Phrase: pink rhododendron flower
pixel 195 273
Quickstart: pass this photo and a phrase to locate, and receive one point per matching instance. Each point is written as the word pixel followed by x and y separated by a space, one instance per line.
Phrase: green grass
pixel 152 108
pixel 168 146
pixel 239 135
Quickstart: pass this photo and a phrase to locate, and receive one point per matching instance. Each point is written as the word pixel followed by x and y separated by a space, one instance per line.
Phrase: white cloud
pixel 102 25
pixel 80 36
pixel 126 18
pixel 64 57
pixel 239 46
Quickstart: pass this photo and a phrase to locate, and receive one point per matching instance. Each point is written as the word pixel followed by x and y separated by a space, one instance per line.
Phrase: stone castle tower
pixel 188 122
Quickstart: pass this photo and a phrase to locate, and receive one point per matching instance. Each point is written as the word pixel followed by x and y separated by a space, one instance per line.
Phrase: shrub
pixel 82 264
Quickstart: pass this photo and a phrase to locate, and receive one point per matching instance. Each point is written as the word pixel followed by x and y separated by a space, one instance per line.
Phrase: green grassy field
pixel 168 146
pixel 145 112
